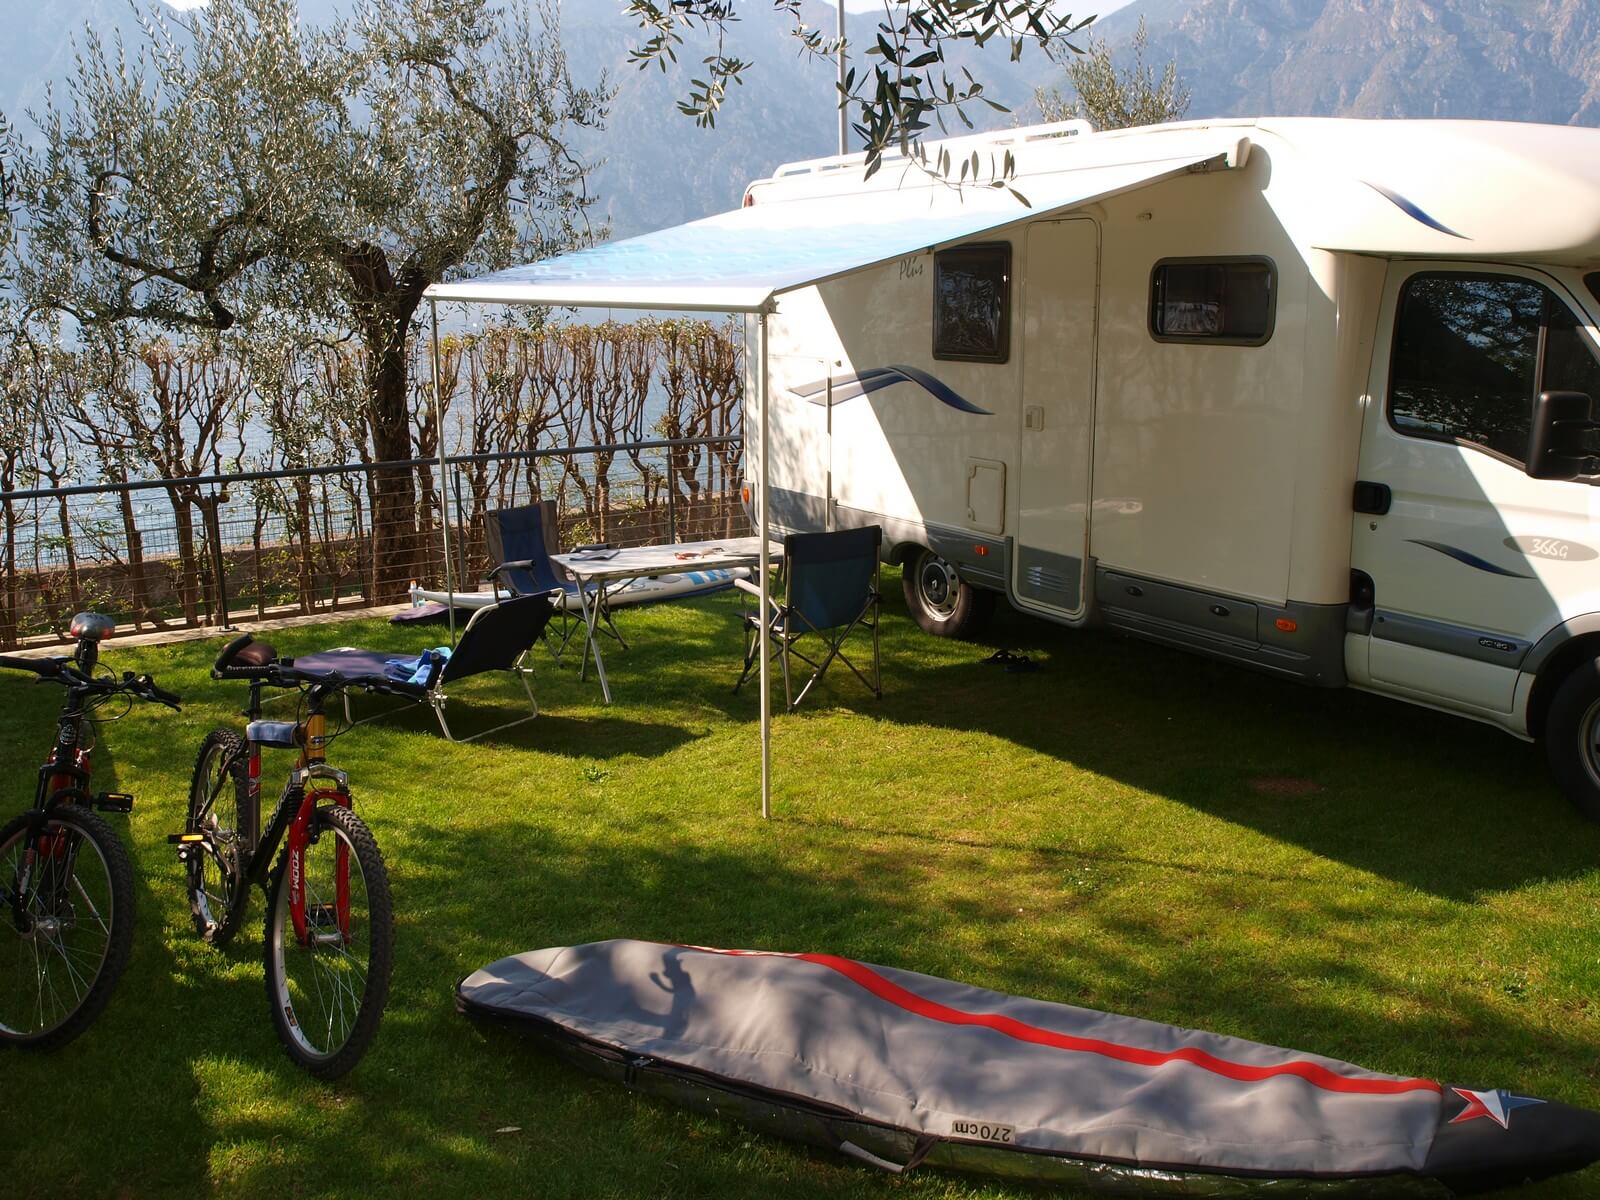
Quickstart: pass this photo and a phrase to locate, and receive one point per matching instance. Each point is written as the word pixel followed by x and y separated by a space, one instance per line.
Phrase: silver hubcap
pixel 937 584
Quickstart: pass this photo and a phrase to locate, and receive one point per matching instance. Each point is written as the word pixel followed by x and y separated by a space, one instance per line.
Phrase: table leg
pixel 591 616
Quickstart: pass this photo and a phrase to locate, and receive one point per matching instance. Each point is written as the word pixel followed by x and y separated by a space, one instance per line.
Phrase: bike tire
pixel 218 891
pixel 327 1000
pixel 53 982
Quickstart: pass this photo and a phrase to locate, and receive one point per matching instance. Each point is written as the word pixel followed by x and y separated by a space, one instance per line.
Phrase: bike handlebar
pixel 46 668
pixel 65 672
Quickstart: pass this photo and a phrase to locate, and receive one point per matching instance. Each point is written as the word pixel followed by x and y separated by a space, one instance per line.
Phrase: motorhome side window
pixel 972 303
pixel 1227 301
pixel 1468 362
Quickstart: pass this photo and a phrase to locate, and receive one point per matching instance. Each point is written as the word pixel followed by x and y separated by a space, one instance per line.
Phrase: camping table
pixel 594 574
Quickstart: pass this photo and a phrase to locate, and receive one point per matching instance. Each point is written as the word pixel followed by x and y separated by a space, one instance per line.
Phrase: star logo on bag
pixel 1497 1105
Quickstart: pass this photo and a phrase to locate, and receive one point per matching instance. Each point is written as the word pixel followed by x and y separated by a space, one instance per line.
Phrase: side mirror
pixel 1556 448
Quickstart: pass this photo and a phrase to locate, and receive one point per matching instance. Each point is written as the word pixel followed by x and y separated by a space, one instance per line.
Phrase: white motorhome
pixel 1316 403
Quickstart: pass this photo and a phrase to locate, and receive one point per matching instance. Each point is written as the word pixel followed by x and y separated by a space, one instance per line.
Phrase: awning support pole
pixel 763 519
pixel 444 499
pixel 844 110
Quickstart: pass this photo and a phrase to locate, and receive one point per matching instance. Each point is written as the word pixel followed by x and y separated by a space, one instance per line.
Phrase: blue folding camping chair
pixel 830 590
pixel 520 542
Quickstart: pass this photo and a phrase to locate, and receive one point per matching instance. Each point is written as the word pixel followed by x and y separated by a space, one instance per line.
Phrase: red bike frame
pixel 315 730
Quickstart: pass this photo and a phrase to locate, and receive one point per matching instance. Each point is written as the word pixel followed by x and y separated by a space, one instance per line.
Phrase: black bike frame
pixel 63 779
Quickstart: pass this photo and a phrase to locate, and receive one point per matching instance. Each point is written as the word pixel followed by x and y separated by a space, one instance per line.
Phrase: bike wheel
pixel 327 992
pixel 218 794
pixel 65 941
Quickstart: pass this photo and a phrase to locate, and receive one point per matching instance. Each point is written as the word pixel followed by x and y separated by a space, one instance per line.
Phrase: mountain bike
pixel 329 929
pixel 66 884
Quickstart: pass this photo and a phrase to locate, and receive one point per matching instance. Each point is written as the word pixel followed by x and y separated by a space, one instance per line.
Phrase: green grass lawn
pixel 1129 829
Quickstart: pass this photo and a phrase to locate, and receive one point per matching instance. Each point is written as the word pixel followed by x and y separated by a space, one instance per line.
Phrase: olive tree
pixel 238 165
pixel 1111 99
pixel 911 85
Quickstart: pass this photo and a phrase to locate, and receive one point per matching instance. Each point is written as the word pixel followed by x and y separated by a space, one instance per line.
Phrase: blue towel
pixel 416 670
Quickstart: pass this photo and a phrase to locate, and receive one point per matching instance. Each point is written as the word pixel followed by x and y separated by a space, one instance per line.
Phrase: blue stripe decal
pixel 848 387
pixel 1412 211
pixel 1468 558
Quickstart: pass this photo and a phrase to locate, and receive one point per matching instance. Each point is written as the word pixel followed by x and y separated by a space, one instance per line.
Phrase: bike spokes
pixel 58 935
pixel 328 971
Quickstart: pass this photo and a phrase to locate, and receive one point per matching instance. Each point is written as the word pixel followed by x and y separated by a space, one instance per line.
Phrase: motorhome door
pixel 1468 558
pixel 1060 282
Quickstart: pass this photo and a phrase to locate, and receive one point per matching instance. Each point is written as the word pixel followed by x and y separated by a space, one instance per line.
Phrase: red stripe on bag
pixel 892 993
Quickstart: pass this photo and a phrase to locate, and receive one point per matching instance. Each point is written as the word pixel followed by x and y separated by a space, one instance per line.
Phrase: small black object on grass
pixel 1015 664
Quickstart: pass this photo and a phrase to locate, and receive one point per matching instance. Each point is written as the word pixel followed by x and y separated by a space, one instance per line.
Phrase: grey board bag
pixel 898 1069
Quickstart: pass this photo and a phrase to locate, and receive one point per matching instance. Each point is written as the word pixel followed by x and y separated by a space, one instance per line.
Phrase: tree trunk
pixel 305 529
pixel 10 618
pixel 188 566
pixel 394 513
pixel 74 589
pixel 255 560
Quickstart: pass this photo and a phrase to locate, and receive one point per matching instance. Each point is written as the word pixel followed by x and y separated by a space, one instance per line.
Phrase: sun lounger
pixel 497 638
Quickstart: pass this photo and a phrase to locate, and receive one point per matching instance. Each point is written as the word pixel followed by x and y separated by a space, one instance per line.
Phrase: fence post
pixel 219 567
pixel 672 501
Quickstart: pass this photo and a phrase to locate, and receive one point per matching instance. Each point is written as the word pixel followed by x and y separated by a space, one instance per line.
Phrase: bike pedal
pixel 184 839
pixel 115 802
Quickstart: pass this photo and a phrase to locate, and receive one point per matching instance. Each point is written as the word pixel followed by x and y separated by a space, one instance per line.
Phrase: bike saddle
pixel 90 626
pixel 256 654
pixel 244 658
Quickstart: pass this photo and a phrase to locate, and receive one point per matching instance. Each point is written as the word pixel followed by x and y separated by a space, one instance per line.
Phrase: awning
pixel 739 261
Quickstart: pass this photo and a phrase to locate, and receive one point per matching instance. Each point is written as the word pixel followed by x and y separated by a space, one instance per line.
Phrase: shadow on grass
pixel 581 736
pixel 1442 804
pixel 68 1112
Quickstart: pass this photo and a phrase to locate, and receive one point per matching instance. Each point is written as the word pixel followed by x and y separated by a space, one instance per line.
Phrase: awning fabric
pixel 739 261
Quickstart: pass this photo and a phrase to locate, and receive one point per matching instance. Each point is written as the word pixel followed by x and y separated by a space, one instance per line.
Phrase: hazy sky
pixel 863 6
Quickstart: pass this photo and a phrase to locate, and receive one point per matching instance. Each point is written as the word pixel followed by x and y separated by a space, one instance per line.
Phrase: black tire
pixel 326 998
pixel 939 600
pixel 57 975
pixel 219 791
pixel 1572 738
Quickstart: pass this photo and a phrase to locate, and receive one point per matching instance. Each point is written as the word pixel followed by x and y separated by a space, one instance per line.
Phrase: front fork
pixel 59 846
pixel 317 792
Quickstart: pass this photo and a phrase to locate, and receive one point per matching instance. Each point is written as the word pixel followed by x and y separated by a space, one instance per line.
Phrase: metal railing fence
pixel 204 550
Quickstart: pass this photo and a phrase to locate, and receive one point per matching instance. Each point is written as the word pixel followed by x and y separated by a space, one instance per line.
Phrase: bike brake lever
pixel 147 687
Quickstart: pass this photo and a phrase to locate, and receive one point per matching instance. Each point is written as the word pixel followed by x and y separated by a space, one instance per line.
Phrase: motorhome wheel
pixel 940 601
pixel 1572 738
